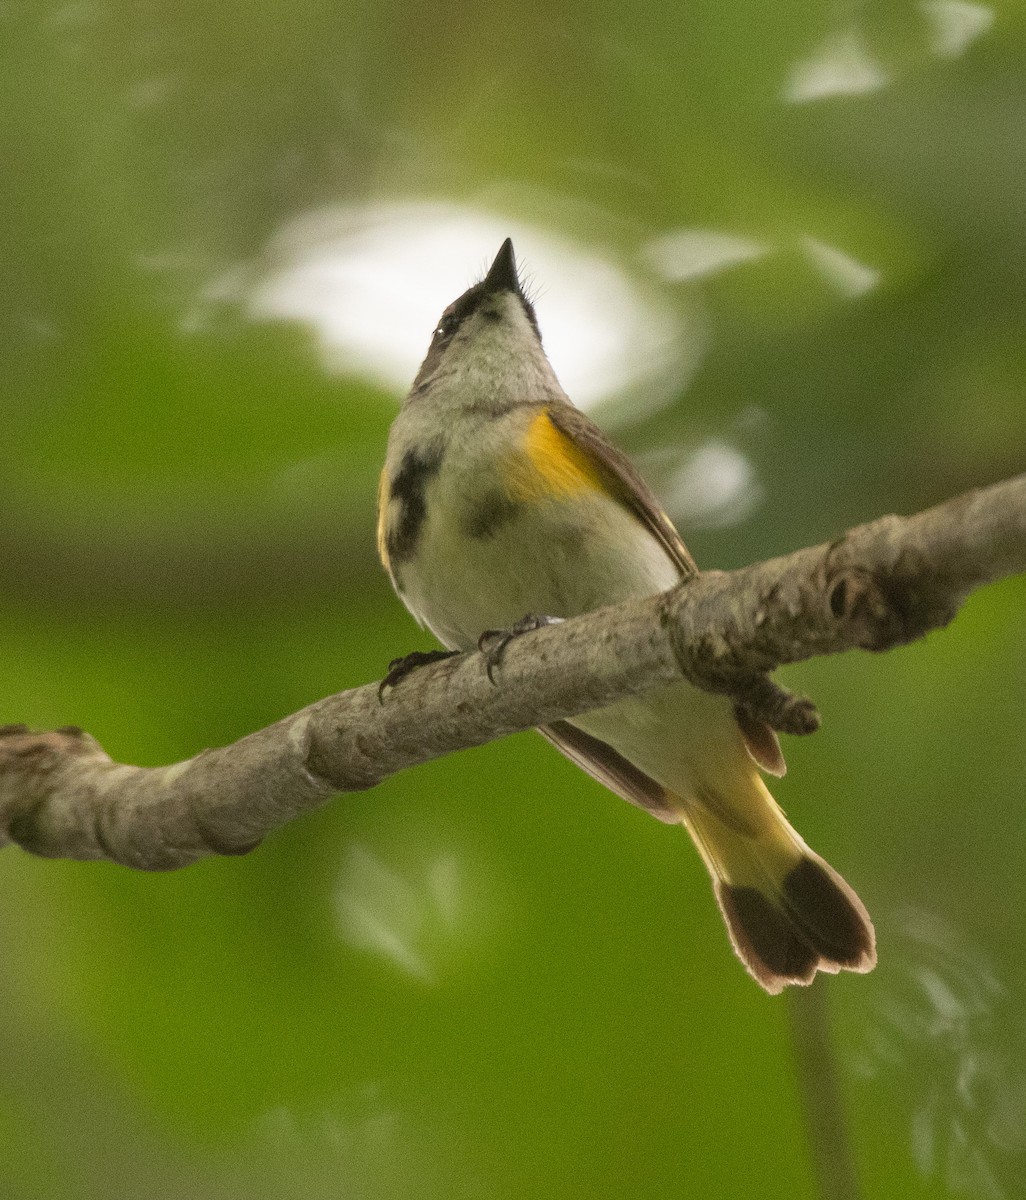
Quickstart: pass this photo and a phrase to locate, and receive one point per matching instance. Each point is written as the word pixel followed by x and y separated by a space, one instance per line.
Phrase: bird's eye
pixel 446 326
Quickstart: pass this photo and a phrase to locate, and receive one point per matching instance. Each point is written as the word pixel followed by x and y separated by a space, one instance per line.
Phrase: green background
pixel 487 977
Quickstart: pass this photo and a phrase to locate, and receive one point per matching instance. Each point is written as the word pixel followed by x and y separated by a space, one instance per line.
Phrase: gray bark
pixel 879 586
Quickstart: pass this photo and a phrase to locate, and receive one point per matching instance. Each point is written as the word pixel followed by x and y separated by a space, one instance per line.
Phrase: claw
pixel 493 642
pixel 399 668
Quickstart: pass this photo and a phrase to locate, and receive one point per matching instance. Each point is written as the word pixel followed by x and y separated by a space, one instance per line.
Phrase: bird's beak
pixel 502 274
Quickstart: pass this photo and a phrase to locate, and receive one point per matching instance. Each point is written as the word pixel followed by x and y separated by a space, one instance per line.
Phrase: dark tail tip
pixel 832 914
pixel 816 923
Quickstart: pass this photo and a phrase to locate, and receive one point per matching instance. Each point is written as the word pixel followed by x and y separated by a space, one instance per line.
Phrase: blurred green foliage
pixel 488 978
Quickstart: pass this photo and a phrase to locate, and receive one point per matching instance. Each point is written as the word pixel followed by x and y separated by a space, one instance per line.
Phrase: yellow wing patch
pixel 550 465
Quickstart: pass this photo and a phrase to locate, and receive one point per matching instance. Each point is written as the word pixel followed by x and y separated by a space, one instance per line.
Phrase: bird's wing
pixel 612 770
pixel 622 481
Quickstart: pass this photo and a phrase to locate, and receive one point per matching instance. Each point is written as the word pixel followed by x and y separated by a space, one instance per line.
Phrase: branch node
pixel 898 602
pixel 859 599
pixel 213 838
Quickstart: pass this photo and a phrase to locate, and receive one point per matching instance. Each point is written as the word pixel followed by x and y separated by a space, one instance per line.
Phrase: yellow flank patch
pixel 383 521
pixel 550 465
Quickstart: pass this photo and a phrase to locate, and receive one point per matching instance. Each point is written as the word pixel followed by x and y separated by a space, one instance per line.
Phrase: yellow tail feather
pixel 788 912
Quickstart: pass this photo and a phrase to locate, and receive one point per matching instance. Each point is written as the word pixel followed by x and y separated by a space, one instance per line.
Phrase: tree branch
pixel 879 586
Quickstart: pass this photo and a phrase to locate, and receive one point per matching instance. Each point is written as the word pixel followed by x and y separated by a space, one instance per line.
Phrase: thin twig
pixel 820 1091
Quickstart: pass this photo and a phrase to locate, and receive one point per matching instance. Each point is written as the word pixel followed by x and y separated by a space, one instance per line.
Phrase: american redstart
pixel 499 499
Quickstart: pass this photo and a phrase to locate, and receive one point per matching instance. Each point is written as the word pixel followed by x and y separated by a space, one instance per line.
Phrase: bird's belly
pixel 557 558
pixel 686 739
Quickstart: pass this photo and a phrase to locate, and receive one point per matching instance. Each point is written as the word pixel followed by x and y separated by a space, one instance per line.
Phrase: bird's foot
pixel 493 642
pixel 399 668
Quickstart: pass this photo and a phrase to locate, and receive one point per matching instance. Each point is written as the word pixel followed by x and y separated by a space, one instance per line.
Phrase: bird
pixel 500 499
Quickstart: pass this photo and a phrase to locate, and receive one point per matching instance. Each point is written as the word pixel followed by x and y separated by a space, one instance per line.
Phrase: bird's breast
pixel 493 543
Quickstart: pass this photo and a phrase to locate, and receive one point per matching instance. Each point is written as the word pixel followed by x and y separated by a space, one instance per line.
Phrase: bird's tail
pixel 789 913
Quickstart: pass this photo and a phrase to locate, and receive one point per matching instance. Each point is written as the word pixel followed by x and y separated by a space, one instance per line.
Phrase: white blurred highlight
pixel 842 65
pixel 411 920
pixel 942 1024
pixel 955 25
pixel 372 281
pixel 845 274
pixel 686 254
pixel 714 488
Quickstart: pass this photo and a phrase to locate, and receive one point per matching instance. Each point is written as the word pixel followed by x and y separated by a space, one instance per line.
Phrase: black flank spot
pixel 408 487
pixel 491 511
